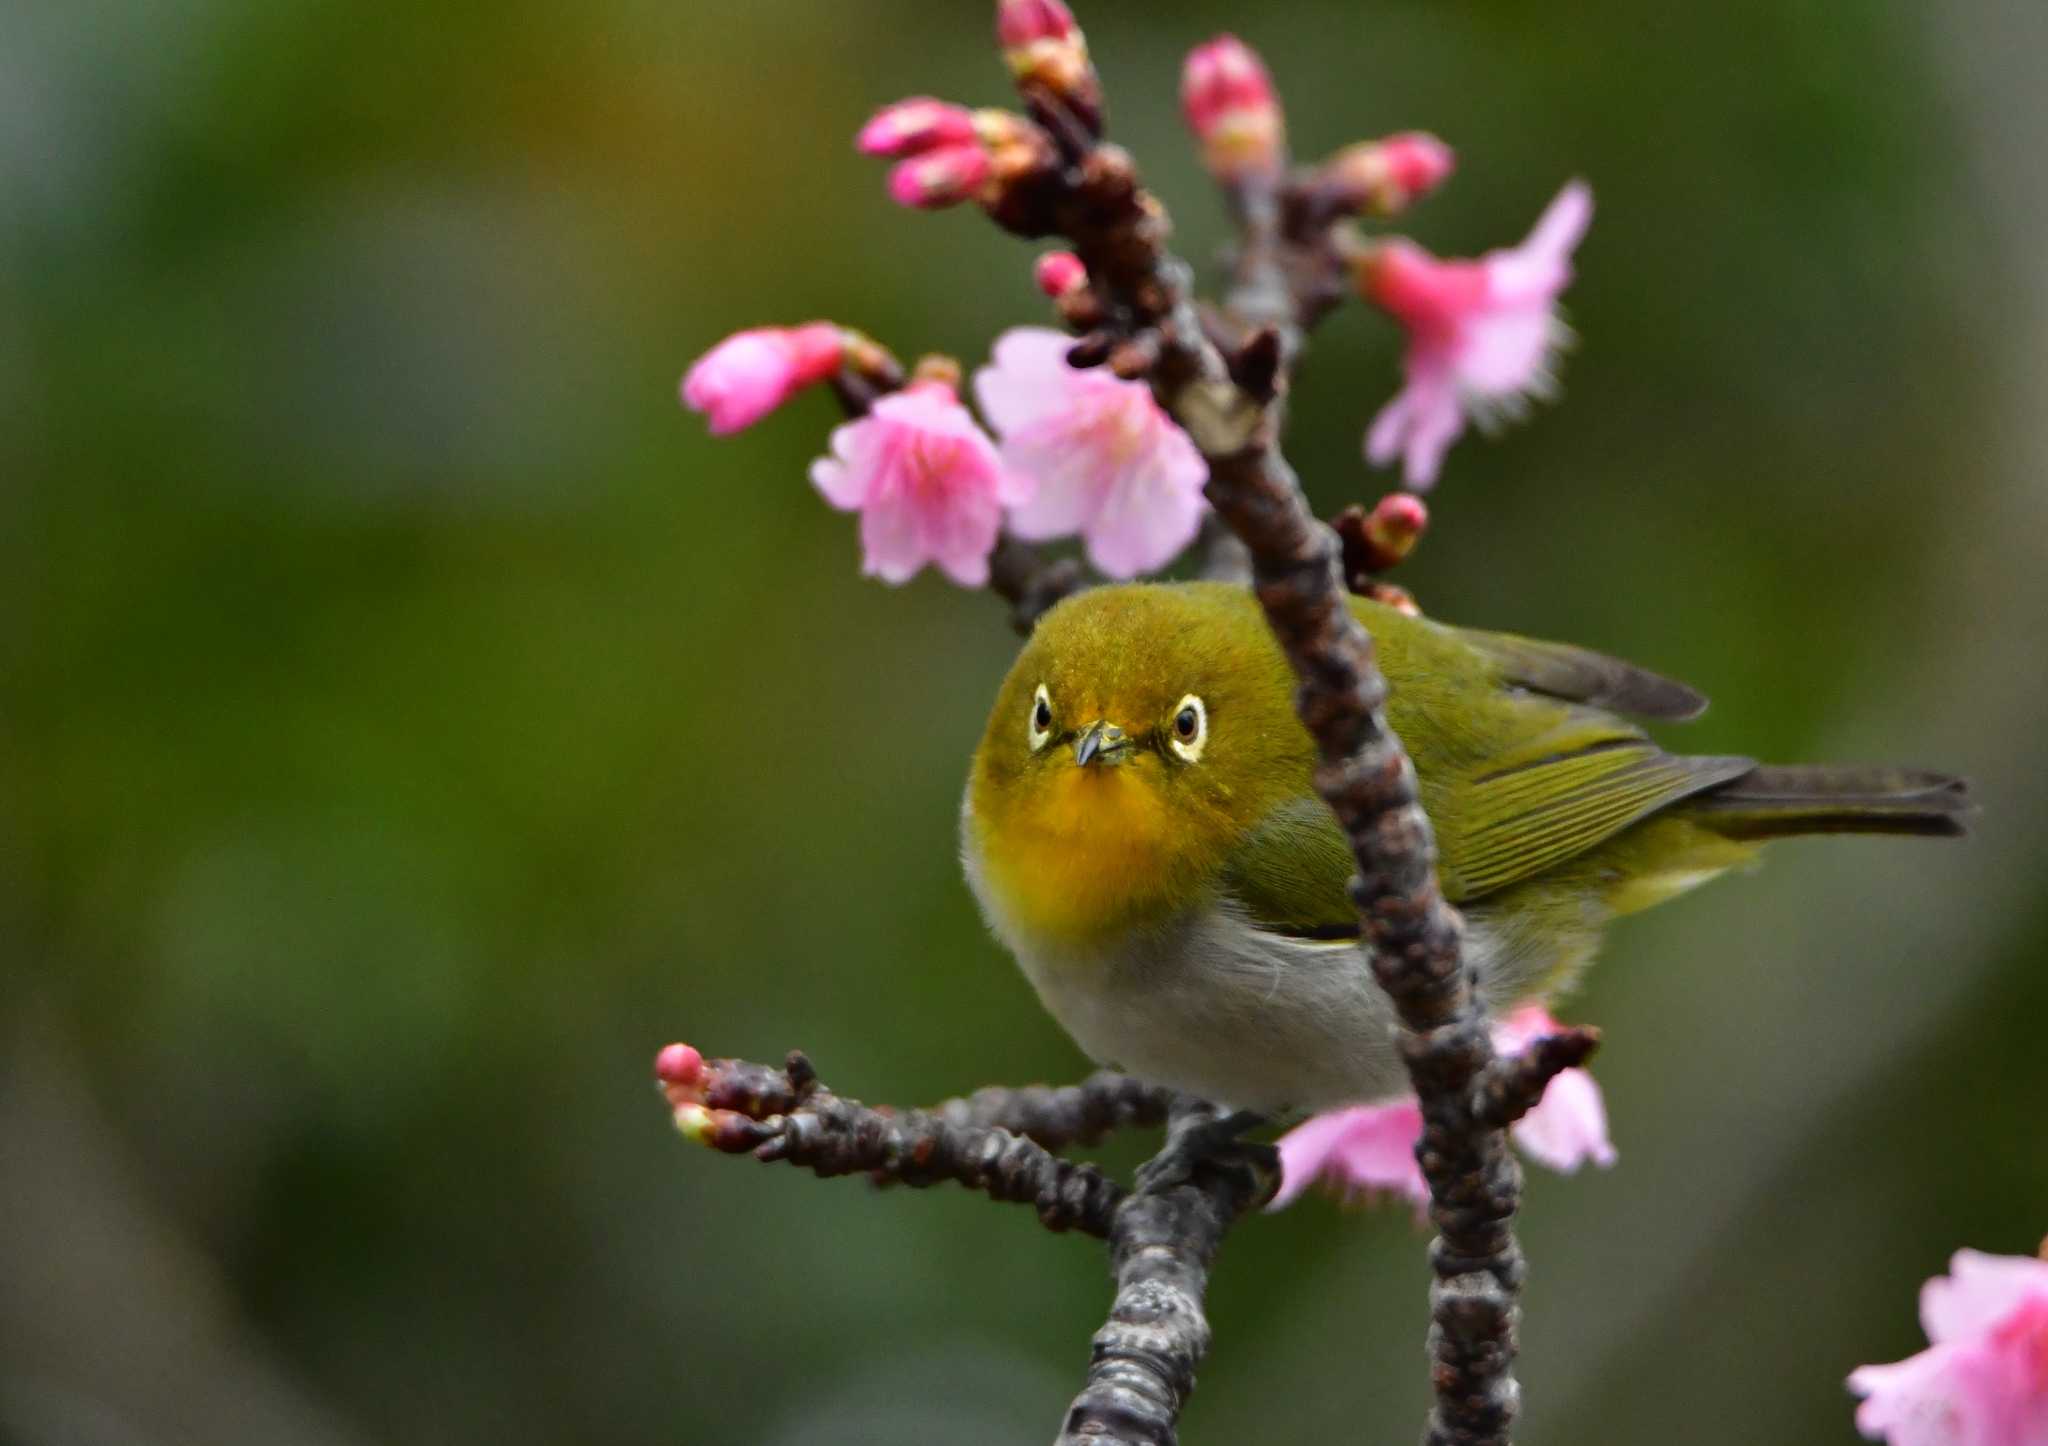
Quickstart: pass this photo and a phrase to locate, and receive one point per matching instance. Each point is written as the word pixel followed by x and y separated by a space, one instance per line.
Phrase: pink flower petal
pixel 1151 511
pixel 928 483
pixel 1108 463
pixel 1977 1292
pixel 1568 1127
pixel 1482 335
pixel 1984 1380
pixel 1540 267
pixel 1356 1151
pixel 1027 380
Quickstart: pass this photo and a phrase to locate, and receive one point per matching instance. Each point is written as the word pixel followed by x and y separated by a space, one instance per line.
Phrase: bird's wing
pixel 1557 797
pixel 1289 874
pixel 1580 675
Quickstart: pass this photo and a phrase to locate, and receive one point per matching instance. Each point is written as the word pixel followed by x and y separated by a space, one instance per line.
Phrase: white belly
pixel 1231 1013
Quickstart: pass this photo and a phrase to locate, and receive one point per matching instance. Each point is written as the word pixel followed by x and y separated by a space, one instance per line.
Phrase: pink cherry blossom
pixel 751 373
pixel 1110 465
pixel 1368 1149
pixel 927 482
pixel 1983 1379
pixel 1482 334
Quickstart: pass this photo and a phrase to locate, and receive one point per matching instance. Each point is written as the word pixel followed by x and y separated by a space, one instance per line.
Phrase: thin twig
pixel 741 1108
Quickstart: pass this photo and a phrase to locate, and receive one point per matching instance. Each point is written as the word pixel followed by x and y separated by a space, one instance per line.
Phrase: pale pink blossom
pixel 1983 1379
pixel 1370 1149
pixel 751 373
pixel 1482 335
pixel 927 482
pixel 1109 464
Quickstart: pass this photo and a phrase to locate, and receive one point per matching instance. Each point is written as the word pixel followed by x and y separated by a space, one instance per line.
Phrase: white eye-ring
pixel 1038 727
pixel 1189 729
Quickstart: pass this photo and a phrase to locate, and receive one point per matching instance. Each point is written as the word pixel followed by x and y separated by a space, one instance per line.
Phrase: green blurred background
pixel 412 719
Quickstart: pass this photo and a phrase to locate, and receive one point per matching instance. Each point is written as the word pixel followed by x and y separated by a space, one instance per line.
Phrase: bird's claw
pixel 1193 1140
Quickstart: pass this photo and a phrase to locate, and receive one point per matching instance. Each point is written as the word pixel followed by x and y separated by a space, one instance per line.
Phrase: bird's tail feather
pixel 1768 803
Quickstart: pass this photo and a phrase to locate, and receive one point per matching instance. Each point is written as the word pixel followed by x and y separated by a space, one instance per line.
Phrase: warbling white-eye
pixel 1141 830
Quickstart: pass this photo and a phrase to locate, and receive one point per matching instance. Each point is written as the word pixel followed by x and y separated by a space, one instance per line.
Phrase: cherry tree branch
pixel 1232 406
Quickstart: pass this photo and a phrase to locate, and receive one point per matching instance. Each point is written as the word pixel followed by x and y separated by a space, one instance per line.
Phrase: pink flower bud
pixel 1388 176
pixel 942 177
pixel 751 373
pixel 1020 23
pixel 1046 50
pixel 918 124
pixel 1395 525
pixel 1231 107
pixel 1417 162
pixel 679 1064
pixel 1059 272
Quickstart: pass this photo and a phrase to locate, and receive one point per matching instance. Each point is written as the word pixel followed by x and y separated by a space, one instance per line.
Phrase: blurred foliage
pixel 414 720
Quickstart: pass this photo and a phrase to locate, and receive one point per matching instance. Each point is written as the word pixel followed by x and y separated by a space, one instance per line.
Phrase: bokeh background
pixel 411 719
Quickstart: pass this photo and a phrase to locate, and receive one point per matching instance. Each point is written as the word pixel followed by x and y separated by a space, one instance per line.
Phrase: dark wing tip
pixel 1580 675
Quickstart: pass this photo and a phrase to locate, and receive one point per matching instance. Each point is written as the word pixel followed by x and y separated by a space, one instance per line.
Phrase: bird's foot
pixel 1201 1134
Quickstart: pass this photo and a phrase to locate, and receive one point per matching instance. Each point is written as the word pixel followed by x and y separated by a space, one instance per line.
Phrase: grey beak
pixel 1104 742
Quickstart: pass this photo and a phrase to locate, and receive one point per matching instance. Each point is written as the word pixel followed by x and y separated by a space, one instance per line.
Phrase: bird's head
pixel 1142 731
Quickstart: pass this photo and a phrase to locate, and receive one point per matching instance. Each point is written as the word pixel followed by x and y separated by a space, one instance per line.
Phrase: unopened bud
pixel 1394 526
pixel 912 126
pixel 679 1064
pixel 942 177
pixel 1387 176
pixel 936 370
pixel 1058 272
pixel 1230 105
pixel 1029 22
pixel 1046 50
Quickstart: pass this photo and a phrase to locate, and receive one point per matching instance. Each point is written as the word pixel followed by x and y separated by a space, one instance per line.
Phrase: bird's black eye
pixel 1038 726
pixel 1190 729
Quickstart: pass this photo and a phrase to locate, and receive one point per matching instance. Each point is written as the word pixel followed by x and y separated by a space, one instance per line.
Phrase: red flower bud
pixel 1059 272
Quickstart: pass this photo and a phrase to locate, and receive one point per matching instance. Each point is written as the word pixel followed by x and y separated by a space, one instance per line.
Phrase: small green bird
pixel 1141 830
